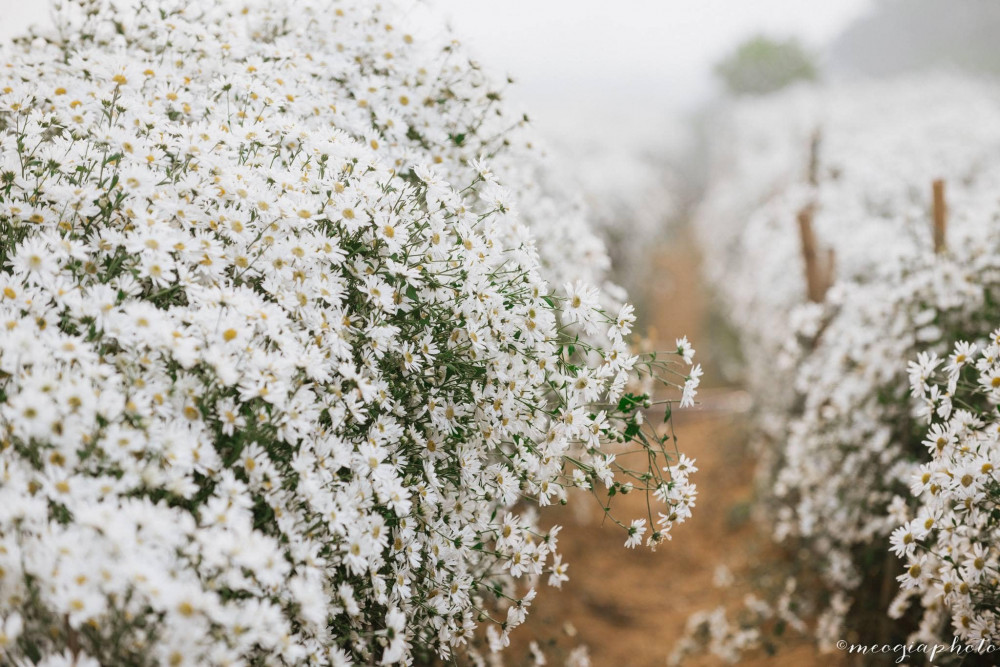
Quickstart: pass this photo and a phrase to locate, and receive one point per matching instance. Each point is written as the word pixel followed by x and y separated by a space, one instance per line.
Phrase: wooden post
pixel 940 217
pixel 814 144
pixel 829 270
pixel 819 271
pixel 814 274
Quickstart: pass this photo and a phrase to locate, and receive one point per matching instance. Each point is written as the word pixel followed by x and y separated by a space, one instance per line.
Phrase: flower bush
pixel 834 420
pixel 880 145
pixel 281 373
pixel 842 476
pixel 951 545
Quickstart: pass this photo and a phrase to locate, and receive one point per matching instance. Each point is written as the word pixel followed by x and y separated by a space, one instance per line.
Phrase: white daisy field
pixel 339 332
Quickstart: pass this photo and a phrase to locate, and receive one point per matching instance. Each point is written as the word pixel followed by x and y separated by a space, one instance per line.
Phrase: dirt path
pixel 630 607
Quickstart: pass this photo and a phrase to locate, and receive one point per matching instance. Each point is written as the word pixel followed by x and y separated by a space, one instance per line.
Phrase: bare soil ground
pixel 630 607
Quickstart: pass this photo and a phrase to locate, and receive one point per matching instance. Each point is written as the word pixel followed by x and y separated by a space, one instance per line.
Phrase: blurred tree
pixel 762 65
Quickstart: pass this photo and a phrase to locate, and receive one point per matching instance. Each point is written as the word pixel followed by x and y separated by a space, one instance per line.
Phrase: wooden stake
pixel 829 270
pixel 940 217
pixel 819 272
pixel 814 145
pixel 815 279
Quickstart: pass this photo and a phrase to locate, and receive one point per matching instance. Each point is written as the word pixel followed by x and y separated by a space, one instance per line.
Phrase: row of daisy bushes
pixel 294 343
pixel 847 274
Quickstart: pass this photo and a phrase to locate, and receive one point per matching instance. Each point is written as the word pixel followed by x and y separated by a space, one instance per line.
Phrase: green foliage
pixel 763 65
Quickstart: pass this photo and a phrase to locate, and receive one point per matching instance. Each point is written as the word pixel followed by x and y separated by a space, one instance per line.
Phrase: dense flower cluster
pixel 836 437
pixel 280 370
pixel 951 545
pixel 850 445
